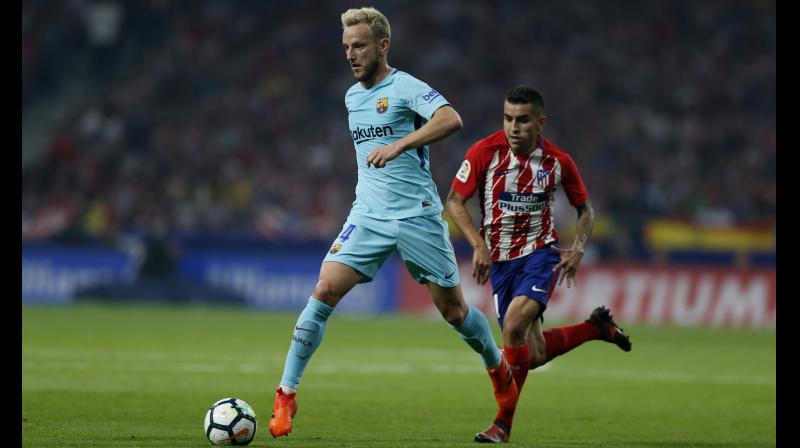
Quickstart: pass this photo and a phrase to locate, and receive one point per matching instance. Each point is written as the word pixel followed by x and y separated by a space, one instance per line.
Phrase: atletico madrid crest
pixel 383 105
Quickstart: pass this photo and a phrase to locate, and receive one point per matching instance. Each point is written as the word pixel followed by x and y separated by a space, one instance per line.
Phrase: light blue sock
pixel 475 330
pixel 306 338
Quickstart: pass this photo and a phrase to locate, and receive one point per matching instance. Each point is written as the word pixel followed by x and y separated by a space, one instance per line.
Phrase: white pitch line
pixel 338 367
pixel 150 355
pixel 676 377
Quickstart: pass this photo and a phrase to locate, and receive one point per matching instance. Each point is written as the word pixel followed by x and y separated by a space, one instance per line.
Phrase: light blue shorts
pixel 423 243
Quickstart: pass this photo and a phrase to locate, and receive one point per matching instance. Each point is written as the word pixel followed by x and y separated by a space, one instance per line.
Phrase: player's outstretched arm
pixel 571 258
pixel 481 259
pixel 444 122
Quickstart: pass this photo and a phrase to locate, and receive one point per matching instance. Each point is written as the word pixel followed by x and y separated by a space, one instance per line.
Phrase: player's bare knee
pixel 326 292
pixel 454 315
pixel 515 329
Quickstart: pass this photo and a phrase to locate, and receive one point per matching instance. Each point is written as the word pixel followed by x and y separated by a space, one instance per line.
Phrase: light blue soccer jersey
pixel 379 116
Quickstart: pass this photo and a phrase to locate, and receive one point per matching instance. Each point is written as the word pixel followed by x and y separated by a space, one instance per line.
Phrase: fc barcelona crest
pixel 383 105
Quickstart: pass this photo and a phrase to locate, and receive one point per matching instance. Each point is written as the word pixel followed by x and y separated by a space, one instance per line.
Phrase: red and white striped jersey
pixel 516 193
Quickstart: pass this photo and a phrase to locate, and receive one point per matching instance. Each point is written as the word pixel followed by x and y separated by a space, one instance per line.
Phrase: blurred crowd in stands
pixel 208 117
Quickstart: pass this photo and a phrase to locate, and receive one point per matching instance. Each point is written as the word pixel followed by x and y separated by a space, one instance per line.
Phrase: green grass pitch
pixel 143 376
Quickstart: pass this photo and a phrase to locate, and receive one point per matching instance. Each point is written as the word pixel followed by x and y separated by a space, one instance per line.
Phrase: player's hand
pixel 570 259
pixel 383 154
pixel 481 262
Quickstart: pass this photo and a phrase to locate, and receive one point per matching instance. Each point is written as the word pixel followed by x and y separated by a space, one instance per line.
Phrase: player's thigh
pixel 424 245
pixel 521 315
pixel 363 245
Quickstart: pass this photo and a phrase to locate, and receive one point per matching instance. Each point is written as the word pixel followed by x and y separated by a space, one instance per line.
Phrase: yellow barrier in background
pixel 671 235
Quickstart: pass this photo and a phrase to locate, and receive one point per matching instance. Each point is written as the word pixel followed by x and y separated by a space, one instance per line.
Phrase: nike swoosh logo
pixel 305 329
pixel 503 173
pixel 535 289
pixel 447 277
pixel 242 432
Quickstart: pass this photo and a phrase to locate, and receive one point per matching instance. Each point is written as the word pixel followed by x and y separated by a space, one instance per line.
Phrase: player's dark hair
pixel 523 94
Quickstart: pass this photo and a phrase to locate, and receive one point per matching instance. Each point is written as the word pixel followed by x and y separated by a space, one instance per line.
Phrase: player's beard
pixel 369 70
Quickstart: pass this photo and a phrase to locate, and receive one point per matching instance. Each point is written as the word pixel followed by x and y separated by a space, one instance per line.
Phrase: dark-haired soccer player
pixel 393 118
pixel 515 172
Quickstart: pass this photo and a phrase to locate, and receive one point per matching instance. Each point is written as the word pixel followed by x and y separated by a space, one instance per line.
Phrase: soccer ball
pixel 230 421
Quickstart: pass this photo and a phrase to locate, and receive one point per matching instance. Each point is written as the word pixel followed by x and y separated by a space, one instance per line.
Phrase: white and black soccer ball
pixel 230 421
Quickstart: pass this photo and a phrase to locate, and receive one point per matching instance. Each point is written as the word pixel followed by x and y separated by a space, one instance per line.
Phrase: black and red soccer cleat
pixel 609 330
pixel 497 432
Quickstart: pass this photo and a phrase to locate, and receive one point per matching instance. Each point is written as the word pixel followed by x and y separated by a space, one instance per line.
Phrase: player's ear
pixel 542 121
pixel 383 46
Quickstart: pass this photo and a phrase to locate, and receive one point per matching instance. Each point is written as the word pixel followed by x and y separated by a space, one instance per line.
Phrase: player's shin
pixel 307 336
pixel 561 340
pixel 475 330
pixel 519 360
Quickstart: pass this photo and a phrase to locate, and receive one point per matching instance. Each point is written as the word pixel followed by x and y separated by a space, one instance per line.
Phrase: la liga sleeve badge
pixel 463 172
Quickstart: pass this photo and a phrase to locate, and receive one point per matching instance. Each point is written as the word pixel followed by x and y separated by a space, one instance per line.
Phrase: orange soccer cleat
pixel 282 412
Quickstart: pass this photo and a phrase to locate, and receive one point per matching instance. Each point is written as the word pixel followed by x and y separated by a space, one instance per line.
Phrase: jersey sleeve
pixel 421 98
pixel 572 182
pixel 470 173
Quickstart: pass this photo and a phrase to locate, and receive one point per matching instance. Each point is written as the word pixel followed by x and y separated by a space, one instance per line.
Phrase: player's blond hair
pixel 375 20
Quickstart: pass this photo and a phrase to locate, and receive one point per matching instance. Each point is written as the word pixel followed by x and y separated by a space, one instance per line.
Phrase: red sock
pixel 519 359
pixel 561 340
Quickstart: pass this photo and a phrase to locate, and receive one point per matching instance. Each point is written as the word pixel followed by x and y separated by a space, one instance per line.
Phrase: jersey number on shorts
pixel 346 234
